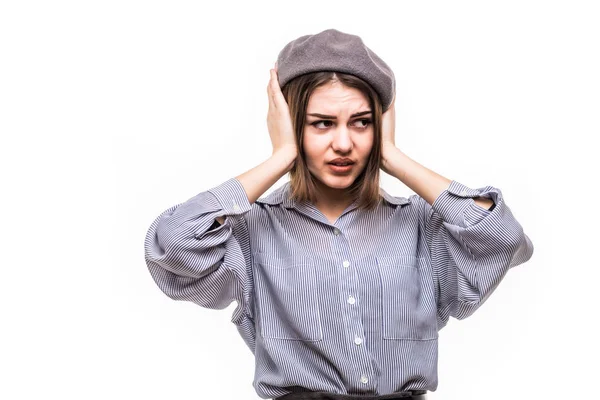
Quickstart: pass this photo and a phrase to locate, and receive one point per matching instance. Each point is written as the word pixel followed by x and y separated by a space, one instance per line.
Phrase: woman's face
pixel 337 132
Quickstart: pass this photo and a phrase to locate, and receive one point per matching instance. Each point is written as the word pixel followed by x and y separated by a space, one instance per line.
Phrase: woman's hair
pixel 297 93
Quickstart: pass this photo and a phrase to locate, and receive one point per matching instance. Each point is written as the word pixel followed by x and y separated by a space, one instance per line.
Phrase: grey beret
pixel 332 50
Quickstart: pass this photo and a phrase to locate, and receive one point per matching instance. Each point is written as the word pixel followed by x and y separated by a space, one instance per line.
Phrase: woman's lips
pixel 340 168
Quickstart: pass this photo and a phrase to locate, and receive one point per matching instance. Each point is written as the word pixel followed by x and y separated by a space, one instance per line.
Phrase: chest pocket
pixel 287 297
pixel 407 299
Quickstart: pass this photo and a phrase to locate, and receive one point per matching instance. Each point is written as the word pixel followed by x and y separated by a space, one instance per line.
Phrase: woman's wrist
pixel 286 155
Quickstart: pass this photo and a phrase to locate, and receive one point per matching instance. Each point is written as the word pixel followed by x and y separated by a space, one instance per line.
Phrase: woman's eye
pixel 365 121
pixel 318 122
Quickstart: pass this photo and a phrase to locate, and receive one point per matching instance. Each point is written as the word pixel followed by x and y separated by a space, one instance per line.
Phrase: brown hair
pixel 297 93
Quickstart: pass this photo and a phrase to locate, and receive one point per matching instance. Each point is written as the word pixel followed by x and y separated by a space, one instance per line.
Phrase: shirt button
pixel 236 207
pixel 463 193
pixel 357 340
pixel 364 379
pixel 346 264
pixel 336 231
pixel 351 300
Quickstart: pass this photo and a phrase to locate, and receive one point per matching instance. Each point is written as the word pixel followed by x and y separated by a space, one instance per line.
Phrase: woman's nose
pixel 342 140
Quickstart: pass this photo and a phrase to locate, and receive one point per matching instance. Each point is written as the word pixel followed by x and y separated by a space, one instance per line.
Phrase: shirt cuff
pixel 456 204
pixel 232 197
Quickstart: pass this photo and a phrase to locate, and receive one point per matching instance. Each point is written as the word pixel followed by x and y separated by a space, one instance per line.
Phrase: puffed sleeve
pixel 193 258
pixel 471 248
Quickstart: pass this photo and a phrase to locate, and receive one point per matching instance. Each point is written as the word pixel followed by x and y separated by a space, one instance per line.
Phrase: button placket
pixel 350 283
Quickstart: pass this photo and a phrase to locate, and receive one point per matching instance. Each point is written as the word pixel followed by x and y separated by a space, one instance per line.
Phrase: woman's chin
pixel 338 182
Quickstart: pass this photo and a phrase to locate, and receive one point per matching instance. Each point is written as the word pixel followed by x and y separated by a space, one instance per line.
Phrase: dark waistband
pixel 308 395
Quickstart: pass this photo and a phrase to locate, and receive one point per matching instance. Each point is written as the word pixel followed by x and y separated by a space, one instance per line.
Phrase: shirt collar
pixel 280 196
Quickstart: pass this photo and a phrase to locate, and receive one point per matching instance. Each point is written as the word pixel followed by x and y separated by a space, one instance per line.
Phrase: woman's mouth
pixel 341 167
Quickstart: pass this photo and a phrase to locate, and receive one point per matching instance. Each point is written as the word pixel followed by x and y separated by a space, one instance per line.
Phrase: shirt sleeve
pixel 471 248
pixel 192 257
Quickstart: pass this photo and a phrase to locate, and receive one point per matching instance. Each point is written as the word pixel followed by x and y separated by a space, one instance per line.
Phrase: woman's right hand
pixel 279 121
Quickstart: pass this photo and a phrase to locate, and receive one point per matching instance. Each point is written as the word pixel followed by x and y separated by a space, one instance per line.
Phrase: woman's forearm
pixel 423 181
pixel 260 178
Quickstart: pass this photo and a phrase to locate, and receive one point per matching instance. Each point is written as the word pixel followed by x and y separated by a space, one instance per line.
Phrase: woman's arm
pixel 423 181
pixel 260 178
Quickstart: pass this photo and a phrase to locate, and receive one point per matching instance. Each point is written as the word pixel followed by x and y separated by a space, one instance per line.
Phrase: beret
pixel 333 50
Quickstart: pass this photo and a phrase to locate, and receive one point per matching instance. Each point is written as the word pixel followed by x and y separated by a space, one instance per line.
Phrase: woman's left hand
pixel 388 126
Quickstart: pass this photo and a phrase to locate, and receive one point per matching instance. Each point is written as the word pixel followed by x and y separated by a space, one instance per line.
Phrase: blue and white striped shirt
pixel 352 307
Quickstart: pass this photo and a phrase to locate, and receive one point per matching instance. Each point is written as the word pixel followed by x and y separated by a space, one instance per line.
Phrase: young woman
pixel 341 287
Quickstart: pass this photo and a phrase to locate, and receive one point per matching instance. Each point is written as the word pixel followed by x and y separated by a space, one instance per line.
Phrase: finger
pixel 278 96
pixel 270 91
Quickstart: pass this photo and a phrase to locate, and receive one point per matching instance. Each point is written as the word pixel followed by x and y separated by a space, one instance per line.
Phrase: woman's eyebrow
pixel 333 117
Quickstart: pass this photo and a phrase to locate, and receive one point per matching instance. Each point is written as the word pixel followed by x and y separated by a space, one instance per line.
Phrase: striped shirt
pixel 352 307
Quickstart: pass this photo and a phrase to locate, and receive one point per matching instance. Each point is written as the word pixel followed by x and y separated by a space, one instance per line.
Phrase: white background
pixel 113 111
